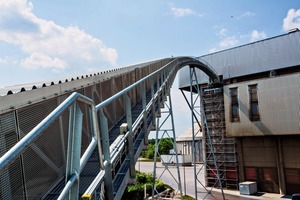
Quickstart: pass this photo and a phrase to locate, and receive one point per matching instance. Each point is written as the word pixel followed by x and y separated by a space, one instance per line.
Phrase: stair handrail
pixel 33 135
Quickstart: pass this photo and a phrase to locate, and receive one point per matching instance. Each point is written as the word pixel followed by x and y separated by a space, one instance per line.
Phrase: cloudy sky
pixel 49 39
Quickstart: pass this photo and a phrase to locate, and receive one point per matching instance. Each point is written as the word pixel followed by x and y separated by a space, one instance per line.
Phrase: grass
pixel 186 197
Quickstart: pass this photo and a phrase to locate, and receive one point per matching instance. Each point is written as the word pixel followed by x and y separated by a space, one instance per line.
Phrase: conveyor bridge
pixel 81 138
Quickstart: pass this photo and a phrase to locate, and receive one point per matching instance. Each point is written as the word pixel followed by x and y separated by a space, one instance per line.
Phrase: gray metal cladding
pixel 265 55
pixel 278 105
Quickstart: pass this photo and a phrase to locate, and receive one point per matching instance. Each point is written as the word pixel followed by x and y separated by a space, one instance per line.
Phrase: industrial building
pixel 184 143
pixel 254 117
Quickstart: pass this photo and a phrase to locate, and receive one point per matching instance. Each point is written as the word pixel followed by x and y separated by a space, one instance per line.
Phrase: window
pixel 234 105
pixel 254 111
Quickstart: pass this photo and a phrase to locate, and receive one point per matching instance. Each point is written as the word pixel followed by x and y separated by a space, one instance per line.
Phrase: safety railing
pixel 75 163
pixel 160 78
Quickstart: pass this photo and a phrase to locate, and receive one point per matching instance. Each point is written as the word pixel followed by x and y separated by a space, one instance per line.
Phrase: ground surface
pixel 188 182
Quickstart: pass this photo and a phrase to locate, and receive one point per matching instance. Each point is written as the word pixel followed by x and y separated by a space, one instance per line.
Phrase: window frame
pixel 253 102
pixel 234 105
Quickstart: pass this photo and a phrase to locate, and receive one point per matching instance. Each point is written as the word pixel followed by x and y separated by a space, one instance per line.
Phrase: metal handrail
pixel 124 91
pixel 18 148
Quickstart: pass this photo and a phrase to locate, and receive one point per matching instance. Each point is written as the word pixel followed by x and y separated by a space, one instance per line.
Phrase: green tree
pixel 150 151
pixel 165 146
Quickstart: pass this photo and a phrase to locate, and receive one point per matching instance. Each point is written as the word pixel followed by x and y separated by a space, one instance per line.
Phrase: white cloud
pixel 3 60
pixel 225 43
pixel 234 40
pixel 213 50
pixel 292 20
pixel 49 45
pixel 256 35
pixel 39 60
pixel 222 32
pixel 229 42
pixel 8 60
pixel 246 14
pixel 182 12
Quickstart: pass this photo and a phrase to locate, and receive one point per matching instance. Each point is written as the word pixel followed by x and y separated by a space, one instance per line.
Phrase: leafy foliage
pixel 136 192
pixel 165 145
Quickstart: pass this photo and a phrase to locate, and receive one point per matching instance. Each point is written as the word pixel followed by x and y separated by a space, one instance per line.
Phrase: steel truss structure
pixel 166 129
pixel 209 159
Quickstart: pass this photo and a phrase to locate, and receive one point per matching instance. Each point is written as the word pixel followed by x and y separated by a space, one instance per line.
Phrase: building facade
pixel 260 135
pixel 184 143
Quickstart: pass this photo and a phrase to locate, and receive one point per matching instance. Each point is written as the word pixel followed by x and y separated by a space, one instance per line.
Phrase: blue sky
pixel 43 39
pixel 48 39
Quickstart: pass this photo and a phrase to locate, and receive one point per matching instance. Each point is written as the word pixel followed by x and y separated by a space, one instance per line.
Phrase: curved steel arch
pixel 200 64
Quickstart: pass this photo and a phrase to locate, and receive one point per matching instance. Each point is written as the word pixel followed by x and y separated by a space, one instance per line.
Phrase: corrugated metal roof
pixel 265 55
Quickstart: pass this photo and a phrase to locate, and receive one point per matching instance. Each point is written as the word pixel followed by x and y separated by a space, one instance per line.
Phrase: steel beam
pixel 107 159
pixel 74 149
pixel 130 135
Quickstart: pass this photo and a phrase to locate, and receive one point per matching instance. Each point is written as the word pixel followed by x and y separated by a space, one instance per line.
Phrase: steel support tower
pixel 166 129
pixel 209 159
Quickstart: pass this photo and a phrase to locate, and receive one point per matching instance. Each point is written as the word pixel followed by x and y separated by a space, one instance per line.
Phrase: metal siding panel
pixel 138 76
pixel 43 160
pixel 292 177
pixel 259 152
pixel 268 180
pixel 251 174
pixel 88 92
pixel 107 90
pixel 11 179
pixel 290 151
pixel 132 93
pixel 119 104
pixel 96 93
pixel 279 109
